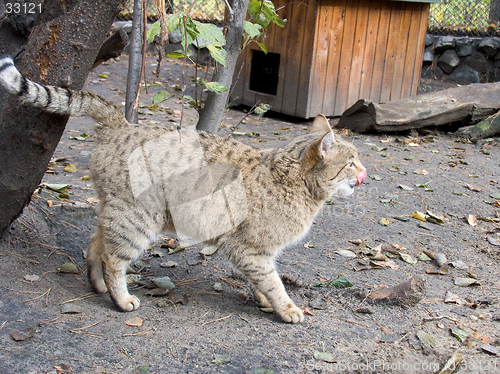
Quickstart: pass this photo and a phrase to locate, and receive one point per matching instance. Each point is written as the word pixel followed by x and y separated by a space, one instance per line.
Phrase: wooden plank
pixel 404 30
pixel 305 74
pixel 317 87
pixel 411 50
pixel 358 53
pixel 334 53
pixel 367 76
pixel 292 60
pixel 380 51
pixel 351 13
pixel 424 16
pixel 281 44
pixel 392 48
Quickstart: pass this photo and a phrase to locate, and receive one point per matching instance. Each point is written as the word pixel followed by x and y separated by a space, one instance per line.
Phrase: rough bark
pixel 134 65
pixel 112 47
pixel 60 50
pixel 485 129
pixel 215 105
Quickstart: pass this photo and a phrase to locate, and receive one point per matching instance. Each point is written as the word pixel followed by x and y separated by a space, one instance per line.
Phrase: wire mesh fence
pixel 465 17
pixel 202 10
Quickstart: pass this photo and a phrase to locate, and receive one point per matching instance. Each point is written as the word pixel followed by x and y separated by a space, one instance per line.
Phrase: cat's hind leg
pixel 261 272
pixel 94 263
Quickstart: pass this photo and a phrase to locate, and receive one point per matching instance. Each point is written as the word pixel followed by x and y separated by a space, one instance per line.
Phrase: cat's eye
pixel 352 165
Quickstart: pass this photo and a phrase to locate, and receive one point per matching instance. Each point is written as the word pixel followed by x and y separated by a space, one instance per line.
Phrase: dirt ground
pixel 210 324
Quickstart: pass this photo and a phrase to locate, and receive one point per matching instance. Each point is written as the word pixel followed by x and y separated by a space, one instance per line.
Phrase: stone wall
pixel 462 59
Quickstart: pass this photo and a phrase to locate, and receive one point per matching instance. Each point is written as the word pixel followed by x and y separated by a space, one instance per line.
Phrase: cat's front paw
pixel 128 303
pixel 291 314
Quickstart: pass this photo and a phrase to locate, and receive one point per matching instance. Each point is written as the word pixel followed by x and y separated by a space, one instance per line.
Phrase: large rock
pixel 448 61
pixel 430 71
pixel 478 62
pixel 464 74
pixel 490 46
pixel 466 46
pixel 444 43
pixel 429 40
pixel 429 55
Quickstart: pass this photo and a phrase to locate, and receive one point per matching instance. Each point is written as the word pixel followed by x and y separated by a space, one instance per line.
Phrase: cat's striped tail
pixel 59 100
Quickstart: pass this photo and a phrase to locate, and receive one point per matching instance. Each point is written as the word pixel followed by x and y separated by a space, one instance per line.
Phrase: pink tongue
pixel 361 177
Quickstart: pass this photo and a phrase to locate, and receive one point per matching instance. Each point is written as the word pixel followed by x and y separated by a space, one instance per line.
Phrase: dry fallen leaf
pixel 471 219
pixel 421 172
pixel 136 322
pixel 472 188
pixel 27 333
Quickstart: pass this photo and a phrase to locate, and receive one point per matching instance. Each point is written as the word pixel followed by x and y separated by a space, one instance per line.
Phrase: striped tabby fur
pixel 285 188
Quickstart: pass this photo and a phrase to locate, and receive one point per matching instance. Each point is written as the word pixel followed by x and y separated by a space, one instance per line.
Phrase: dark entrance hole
pixel 264 73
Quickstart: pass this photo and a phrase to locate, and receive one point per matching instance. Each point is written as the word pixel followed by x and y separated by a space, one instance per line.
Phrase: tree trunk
pixel 60 50
pixel 134 65
pixel 215 105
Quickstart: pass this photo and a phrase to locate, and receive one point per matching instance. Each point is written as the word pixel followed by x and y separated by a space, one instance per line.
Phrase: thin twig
pixel 90 294
pixel 229 6
pixel 218 319
pixel 35 298
pixel 86 327
pixel 246 115
pixel 348 320
pixel 149 331
pixel 381 326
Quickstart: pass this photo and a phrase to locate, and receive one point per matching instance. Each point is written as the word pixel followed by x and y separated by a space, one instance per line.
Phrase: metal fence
pixel 202 10
pixel 465 17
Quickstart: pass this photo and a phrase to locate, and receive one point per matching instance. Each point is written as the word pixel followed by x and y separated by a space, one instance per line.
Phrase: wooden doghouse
pixel 332 53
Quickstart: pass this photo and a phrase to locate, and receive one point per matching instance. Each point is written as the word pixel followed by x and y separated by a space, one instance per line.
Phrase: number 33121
pixel 26 8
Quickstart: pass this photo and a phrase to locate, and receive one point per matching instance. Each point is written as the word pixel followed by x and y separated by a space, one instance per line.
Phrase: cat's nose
pixel 361 177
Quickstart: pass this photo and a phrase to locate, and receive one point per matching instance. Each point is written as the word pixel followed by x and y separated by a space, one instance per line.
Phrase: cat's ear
pixel 327 141
pixel 321 124
pixel 319 149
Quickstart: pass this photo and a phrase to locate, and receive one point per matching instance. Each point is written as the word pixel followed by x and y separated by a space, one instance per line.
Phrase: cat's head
pixel 332 165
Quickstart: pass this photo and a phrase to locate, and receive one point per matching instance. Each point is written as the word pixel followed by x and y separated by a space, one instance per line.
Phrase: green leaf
pixel 280 22
pixel 460 333
pixel 188 99
pixel 263 13
pixel 341 283
pixel 57 187
pixel 218 54
pixel 426 340
pixel 211 33
pixel 189 33
pixel 153 31
pixel 254 9
pixel 252 29
pixel 263 47
pixel 213 86
pixel 324 356
pixel 176 54
pixel 161 96
pixel 174 21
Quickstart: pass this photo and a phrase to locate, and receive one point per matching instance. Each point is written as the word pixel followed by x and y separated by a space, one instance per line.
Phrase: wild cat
pixel 249 203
